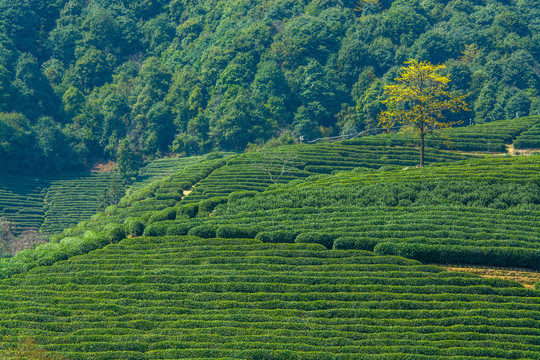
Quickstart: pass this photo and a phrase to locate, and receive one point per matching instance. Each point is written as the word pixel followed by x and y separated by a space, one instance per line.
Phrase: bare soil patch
pixel 523 276
pixel 104 167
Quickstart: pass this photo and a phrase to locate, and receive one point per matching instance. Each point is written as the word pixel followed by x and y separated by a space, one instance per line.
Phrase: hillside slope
pixel 302 269
pixel 472 212
pixel 192 298
pixel 51 204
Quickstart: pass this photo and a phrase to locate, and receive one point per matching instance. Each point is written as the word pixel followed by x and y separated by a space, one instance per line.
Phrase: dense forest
pixel 86 81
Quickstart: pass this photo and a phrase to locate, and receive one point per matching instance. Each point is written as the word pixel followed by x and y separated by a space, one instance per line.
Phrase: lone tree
pixel 277 164
pixel 419 100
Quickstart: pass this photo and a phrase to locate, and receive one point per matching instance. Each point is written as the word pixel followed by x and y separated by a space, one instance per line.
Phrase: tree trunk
pixel 422 149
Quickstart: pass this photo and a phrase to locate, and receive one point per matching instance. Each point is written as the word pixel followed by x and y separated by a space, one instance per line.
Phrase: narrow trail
pixel 511 149
pixel 188 191
pixel 515 152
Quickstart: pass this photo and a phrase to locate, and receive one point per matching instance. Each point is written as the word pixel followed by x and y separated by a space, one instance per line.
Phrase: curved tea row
pixel 192 298
pixel 487 137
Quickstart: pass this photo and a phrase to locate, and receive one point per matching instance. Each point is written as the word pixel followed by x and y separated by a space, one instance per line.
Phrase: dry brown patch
pixel 515 152
pixel 104 167
pixel 188 191
pixel 511 149
pixel 523 276
pixel 527 152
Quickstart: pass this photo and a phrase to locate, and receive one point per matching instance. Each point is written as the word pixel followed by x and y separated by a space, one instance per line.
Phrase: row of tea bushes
pixel 508 169
pixel 412 193
pixel 186 297
pixel 75 198
pixel 257 171
pixel 21 202
pixel 474 231
pixel 529 139
pixel 487 137
pixel 161 168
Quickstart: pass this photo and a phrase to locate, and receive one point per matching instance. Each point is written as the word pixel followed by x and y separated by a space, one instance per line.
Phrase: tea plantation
pixel 529 139
pixel 21 202
pixel 487 137
pixel 160 168
pixel 255 171
pixel 74 198
pixel 55 203
pixel 193 298
pixel 476 212
pixel 320 251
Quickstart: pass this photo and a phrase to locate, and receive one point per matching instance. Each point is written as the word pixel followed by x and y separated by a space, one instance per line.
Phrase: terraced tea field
pixel 254 171
pixel 487 137
pixel 437 234
pixel 75 198
pixel 21 202
pixel 55 203
pixel 478 212
pixel 160 168
pixel 529 139
pixel 192 298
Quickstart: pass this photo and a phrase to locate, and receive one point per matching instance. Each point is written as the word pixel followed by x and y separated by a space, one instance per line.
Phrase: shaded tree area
pixel 80 78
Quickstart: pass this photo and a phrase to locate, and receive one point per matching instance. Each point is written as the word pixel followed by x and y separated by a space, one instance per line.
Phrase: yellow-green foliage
pixel 11 349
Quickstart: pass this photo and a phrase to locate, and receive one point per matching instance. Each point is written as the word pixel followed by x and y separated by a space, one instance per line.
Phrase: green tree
pixel 91 70
pixel 73 100
pixel 128 160
pixel 419 100
pixel 518 105
pixel 5 89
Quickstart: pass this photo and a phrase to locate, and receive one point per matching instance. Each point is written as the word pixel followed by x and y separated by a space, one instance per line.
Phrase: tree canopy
pixel 419 100
pixel 201 75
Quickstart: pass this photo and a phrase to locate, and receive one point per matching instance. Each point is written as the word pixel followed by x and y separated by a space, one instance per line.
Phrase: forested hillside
pixel 82 81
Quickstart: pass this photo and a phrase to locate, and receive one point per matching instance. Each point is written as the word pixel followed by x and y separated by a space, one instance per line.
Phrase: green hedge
pixel 442 254
pixel 178 229
pixel 207 206
pixel 279 236
pixel 324 239
pixel 163 215
pixel 355 243
pixel 203 231
pixel 235 232
pixel 189 210
pixel 134 226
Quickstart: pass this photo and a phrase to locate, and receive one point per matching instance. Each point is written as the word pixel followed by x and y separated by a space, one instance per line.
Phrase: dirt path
pixel 523 276
pixel 188 191
pixel 511 149
pixel 104 167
